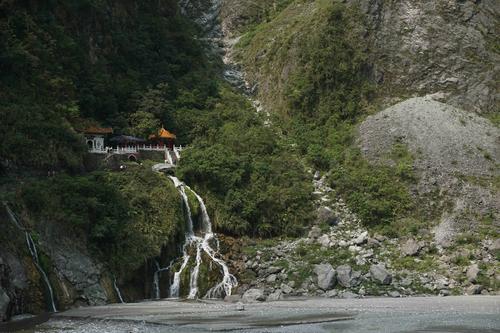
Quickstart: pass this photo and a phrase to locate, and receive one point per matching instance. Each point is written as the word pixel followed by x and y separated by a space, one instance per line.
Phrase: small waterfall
pixel 34 254
pixel 169 157
pixel 202 245
pixel 156 278
pixel 177 154
pixel 118 293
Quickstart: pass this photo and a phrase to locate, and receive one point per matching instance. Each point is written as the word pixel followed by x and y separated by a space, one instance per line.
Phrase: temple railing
pixel 133 149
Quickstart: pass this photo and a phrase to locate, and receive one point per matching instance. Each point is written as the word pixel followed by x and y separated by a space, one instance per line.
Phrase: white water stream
pixel 34 254
pixel 202 245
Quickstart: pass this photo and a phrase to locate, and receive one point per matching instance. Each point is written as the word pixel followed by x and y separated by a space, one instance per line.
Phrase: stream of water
pixel 201 243
pixel 34 254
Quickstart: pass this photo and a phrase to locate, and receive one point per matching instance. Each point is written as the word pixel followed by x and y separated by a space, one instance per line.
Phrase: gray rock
pixel 495 246
pixel 4 304
pixel 349 295
pixel 475 289
pixel 327 215
pixel 379 273
pixel 275 296
pixel 273 270
pixel 361 239
pixel 286 288
pixel 472 273
pixel 324 240
pixel 394 294
pixel 332 293
pixel 232 298
pixel 411 247
pixel 444 292
pixel 253 295
pixel 347 277
pixel 271 278
pixel 325 275
pixel 314 233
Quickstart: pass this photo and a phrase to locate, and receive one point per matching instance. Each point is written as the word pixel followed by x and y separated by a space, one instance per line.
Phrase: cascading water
pixel 156 278
pixel 202 245
pixel 117 290
pixel 34 254
pixel 169 157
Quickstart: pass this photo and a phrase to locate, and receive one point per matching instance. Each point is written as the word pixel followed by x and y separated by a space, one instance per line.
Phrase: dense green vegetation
pixel 326 92
pixel 135 67
pixel 256 185
pixel 64 64
pixel 123 217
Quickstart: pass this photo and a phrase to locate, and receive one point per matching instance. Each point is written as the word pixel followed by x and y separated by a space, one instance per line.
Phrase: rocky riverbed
pixel 431 314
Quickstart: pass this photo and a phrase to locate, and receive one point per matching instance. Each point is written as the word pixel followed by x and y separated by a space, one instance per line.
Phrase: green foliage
pixel 326 93
pixel 64 62
pixel 254 185
pixel 125 217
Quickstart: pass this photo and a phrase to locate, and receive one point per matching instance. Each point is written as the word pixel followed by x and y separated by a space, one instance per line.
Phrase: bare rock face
pixel 437 46
pixel 452 150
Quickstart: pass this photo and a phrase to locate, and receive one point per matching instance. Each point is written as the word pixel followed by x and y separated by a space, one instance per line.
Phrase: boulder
pixel 475 289
pixel 4 304
pixel 232 298
pixel 325 276
pixel 411 247
pixel 315 232
pixel 347 277
pixel 472 273
pixel 349 295
pixel 276 296
pixel 326 215
pixel 361 239
pixel 324 240
pixel 271 278
pixel 254 295
pixel 379 273
pixel 394 294
pixel 495 246
pixel 286 288
pixel 273 270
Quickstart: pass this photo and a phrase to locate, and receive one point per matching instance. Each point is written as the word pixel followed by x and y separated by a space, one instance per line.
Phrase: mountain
pixel 351 139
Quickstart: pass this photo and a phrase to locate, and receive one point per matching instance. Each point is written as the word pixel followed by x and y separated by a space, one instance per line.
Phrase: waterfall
pixel 202 245
pixel 118 293
pixel 177 154
pixel 169 157
pixel 156 278
pixel 34 254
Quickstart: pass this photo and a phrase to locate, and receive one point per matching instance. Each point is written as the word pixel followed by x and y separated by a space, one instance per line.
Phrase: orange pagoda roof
pixel 163 134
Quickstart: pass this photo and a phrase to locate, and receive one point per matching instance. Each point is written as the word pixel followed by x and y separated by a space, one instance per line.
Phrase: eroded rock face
pixel 437 46
pixel 325 275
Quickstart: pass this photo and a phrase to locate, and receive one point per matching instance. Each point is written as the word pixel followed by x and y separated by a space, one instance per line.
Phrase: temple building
pixel 163 138
pixel 94 137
